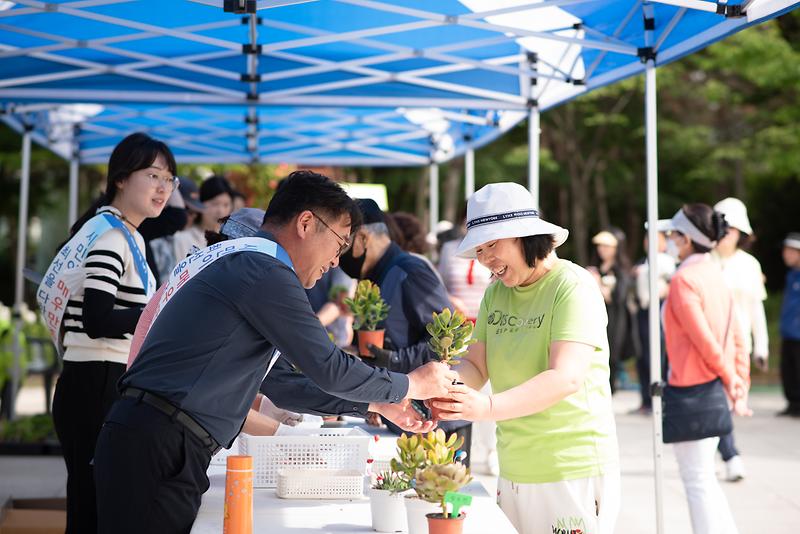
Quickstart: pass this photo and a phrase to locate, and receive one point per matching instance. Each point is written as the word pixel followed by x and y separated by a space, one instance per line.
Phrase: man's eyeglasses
pixel 170 183
pixel 345 244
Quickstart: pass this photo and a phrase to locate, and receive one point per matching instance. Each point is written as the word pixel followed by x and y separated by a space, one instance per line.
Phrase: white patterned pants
pixel 581 506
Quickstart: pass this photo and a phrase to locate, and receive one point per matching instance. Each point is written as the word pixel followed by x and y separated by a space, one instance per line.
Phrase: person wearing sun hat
pixel 542 342
pixel 743 275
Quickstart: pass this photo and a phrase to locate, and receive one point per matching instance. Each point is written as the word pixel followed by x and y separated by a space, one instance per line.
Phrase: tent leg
pixel 433 197
pixel 533 153
pixel 22 233
pixel 654 319
pixel 469 173
pixel 73 190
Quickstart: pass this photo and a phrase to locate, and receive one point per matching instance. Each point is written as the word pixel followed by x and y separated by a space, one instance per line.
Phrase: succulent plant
pixel 451 334
pixel 434 481
pixel 367 306
pixel 391 481
pixel 418 451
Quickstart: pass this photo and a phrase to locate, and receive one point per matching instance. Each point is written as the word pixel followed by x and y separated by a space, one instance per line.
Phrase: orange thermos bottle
pixel 239 496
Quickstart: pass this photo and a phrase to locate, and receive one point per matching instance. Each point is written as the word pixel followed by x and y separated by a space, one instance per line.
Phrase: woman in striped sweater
pixel 101 315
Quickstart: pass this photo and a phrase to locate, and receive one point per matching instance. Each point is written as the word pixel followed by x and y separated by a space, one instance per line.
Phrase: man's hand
pixel 382 357
pixel 434 379
pixel 404 416
pixel 373 419
pixel 283 416
pixel 762 363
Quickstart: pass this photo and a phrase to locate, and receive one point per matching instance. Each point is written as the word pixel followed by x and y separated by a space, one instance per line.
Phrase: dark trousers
pixel 790 372
pixel 150 472
pixel 643 362
pixel 84 394
pixel 727 448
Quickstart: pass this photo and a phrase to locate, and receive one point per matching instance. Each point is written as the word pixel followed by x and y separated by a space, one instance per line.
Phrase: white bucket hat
pixel 735 213
pixel 498 211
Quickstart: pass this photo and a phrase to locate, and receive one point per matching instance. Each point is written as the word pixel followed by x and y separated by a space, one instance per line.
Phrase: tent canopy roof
pixel 365 57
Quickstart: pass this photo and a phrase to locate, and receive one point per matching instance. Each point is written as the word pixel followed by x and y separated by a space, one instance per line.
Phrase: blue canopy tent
pixel 214 76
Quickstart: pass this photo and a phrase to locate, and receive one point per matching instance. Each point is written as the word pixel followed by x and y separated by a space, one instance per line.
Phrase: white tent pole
pixel 73 188
pixel 433 196
pixel 652 260
pixel 469 173
pixel 22 234
pixel 533 153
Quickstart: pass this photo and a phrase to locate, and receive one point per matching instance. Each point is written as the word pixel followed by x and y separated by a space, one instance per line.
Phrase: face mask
pixel 350 265
pixel 672 250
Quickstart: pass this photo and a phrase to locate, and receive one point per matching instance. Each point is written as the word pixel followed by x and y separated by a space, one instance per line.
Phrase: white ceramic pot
pixel 388 511
pixel 416 510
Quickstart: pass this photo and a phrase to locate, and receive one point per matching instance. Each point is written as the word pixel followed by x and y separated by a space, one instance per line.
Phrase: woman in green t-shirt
pixel 542 342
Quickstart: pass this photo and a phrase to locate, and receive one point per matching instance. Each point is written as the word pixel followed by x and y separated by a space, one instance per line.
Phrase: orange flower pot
pixel 438 524
pixel 369 337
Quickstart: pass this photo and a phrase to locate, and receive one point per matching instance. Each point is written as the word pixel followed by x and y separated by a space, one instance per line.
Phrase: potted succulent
pixel 386 502
pixel 451 335
pixel 368 310
pixel 432 484
pixel 414 454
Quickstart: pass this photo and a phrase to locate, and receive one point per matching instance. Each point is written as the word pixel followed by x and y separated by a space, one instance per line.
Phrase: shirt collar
pixel 695 258
pixel 383 265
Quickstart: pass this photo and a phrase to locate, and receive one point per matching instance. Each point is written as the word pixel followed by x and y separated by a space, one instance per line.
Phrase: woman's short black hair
pixel 307 190
pixel 537 247
pixel 711 224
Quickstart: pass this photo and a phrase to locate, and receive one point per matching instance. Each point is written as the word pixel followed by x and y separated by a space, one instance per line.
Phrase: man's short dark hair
pixel 306 190
pixel 537 247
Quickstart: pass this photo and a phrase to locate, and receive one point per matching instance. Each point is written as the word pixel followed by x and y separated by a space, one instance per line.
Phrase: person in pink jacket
pixel 704 342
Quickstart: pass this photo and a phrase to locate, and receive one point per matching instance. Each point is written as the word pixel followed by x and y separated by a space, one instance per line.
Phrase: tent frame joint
pixel 731 11
pixel 657 389
pixel 250 49
pixel 649 23
pixel 532 103
pixel 646 53
pixel 250 78
pixel 246 20
pixel 239 6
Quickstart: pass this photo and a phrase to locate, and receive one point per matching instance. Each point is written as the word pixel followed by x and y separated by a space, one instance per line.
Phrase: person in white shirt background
pixel 743 275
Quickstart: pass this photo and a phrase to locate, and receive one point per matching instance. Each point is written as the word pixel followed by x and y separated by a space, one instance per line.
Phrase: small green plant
pixel 433 482
pixel 451 334
pixel 391 481
pixel 418 451
pixel 367 306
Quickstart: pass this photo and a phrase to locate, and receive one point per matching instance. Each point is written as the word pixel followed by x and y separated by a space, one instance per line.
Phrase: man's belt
pixel 176 414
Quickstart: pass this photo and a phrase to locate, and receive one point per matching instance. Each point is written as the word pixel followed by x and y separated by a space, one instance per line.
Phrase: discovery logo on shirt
pixel 508 323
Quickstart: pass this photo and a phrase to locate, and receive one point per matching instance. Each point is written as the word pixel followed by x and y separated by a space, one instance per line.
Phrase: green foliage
pixel 451 334
pixel 420 451
pixel 435 481
pixel 367 306
pixel 336 292
pixel 32 429
pixel 391 481
pixel 33 336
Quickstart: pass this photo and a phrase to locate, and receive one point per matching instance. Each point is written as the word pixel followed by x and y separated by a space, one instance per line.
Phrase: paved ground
pixel 767 501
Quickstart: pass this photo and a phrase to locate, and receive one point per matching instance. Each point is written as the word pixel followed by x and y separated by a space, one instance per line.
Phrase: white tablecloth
pixel 274 515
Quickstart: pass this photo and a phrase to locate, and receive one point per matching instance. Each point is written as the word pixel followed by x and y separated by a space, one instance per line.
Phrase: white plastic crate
pixel 305 448
pixel 320 484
